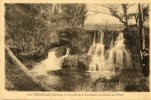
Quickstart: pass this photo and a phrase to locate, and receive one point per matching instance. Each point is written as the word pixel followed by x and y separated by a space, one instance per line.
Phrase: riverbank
pixel 74 79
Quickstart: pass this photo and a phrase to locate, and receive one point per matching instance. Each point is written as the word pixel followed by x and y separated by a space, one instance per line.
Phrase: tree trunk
pixel 25 71
pixel 136 20
pixel 141 27
pixel 141 33
pixel 126 16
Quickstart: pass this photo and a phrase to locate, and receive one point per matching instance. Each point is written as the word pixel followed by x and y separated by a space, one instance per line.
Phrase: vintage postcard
pixel 69 50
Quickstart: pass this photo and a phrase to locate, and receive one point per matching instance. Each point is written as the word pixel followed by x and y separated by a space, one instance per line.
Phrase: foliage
pixel 119 11
pixel 26 28
pixel 30 28
pixel 146 12
pixel 78 39
pixel 75 14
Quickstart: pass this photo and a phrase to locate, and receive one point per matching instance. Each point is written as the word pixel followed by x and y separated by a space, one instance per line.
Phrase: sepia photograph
pixel 77 47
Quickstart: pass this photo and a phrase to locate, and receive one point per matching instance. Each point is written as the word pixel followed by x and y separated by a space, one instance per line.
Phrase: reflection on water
pixel 75 80
pixel 103 74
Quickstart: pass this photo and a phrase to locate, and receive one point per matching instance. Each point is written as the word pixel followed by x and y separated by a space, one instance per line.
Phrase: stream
pixel 102 72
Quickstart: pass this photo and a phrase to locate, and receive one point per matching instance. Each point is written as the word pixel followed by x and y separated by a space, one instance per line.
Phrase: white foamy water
pixel 97 52
pixel 116 55
pixel 51 63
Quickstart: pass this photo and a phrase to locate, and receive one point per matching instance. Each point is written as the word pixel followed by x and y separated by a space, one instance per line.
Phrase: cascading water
pixel 116 55
pixel 68 52
pixel 97 53
pixel 63 57
pixel 92 48
pixel 52 63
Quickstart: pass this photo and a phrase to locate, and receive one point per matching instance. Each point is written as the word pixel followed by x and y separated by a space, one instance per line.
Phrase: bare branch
pixel 105 6
pixel 131 5
pixel 98 12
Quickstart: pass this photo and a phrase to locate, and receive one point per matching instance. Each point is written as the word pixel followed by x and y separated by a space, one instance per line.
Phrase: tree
pixel 32 80
pixel 74 14
pixel 143 15
pixel 28 26
pixel 121 14
pixel 145 11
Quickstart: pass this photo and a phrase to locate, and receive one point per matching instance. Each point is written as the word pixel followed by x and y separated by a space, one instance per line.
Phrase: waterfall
pixel 111 45
pixel 51 63
pixel 64 56
pixel 67 51
pixel 93 46
pixel 116 55
pixel 97 53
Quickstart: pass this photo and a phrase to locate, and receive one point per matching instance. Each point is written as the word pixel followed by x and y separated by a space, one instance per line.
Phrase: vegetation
pixel 30 28
pixel 33 29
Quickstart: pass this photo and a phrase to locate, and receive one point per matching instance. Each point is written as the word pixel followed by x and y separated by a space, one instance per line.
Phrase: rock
pixel 70 61
pixel 78 39
pixel 80 62
pixel 83 62
pixel 60 51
